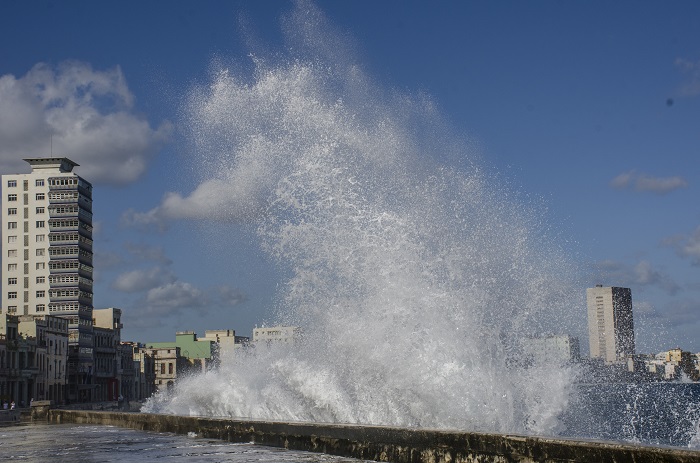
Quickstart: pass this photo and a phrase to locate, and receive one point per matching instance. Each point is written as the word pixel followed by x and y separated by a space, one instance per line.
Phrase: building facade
pixel 610 323
pixel 551 349
pixel 276 335
pixel 47 256
pixel 50 334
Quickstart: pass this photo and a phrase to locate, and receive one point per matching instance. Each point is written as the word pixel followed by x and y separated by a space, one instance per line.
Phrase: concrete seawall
pixel 381 443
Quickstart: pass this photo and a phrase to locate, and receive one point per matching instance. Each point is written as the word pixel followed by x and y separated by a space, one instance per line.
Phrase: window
pixel 40 238
pixel 12 295
pixel 40 224
pixel 11 267
pixel 41 293
pixel 11 225
pixel 39 182
pixel 12 197
pixel 41 279
pixel 11 309
pixel 12 239
pixel 12 211
pixel 11 253
pixel 40 196
pixel 41 308
pixel 40 252
pixel 162 366
pixel 40 265
pixel 12 281
pixel 170 368
pixel 40 210
pixel 12 183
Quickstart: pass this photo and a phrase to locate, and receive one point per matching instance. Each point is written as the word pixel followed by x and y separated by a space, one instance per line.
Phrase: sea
pixel 650 413
pixel 662 413
pixel 69 443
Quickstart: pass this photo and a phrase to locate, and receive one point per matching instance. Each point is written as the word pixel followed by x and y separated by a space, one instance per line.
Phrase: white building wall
pixel 47 250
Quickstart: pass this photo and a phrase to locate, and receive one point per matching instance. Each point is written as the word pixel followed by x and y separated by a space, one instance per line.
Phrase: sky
pixel 590 108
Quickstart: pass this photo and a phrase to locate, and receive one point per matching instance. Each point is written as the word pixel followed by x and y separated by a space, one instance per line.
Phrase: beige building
pixel 51 336
pixel 551 349
pixel 226 341
pixel 276 335
pixel 610 323
pixel 145 371
pixel 107 362
pixel 167 363
pixel 47 256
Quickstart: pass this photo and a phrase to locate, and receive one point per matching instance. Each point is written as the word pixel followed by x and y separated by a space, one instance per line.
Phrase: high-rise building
pixel 47 256
pixel 610 323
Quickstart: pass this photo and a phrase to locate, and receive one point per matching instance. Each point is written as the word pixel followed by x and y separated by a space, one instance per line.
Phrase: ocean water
pixel 416 272
pixel 69 443
pixel 648 413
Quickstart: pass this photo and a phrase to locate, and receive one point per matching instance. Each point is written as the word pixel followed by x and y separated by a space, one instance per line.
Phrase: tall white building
pixel 610 323
pixel 47 255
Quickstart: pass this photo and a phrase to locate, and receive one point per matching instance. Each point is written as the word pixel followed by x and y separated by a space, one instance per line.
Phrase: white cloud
pixel 147 253
pixel 647 183
pixel 687 245
pixel 691 87
pixel 645 275
pixel 622 181
pixel 641 274
pixel 173 297
pixel 230 297
pixel 80 113
pixel 141 280
pixel 214 199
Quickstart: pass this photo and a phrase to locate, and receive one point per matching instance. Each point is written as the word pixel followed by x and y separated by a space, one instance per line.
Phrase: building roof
pixel 62 164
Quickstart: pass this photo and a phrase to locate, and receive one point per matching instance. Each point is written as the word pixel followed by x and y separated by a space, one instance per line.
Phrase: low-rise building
pixel 552 349
pixel 50 334
pixel 225 341
pixel 167 365
pixel 144 362
pixel 276 335
pixel 200 354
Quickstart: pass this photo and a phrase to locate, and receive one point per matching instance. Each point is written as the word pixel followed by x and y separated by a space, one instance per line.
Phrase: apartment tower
pixel 610 323
pixel 47 256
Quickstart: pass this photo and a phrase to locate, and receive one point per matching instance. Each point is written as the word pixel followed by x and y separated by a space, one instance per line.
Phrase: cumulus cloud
pixel 173 297
pixel 229 297
pixel 680 312
pixel 74 111
pixel 640 274
pixel 645 275
pixel 147 253
pixel 214 199
pixel 646 183
pixel 686 245
pixel 143 279
pixel 691 86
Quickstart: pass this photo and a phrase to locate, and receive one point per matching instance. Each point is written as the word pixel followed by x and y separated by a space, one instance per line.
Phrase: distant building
pixel 276 335
pixel 107 327
pixel 225 341
pixel 610 323
pixel 47 256
pixel 559 349
pixel 145 371
pixel 168 364
pixel 51 336
pixel 199 353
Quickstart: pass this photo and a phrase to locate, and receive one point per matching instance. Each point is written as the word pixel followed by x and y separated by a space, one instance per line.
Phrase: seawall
pixel 379 443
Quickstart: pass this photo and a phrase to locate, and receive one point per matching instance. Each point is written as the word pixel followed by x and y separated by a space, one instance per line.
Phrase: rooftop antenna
pixel 51 145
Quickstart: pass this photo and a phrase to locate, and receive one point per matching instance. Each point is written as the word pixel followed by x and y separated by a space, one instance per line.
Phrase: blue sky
pixel 592 108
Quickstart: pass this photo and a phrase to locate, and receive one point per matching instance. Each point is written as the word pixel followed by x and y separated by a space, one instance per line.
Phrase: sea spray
pixel 414 272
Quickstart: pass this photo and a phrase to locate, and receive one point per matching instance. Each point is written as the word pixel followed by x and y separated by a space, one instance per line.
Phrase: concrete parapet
pixel 379 443
pixel 39 409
